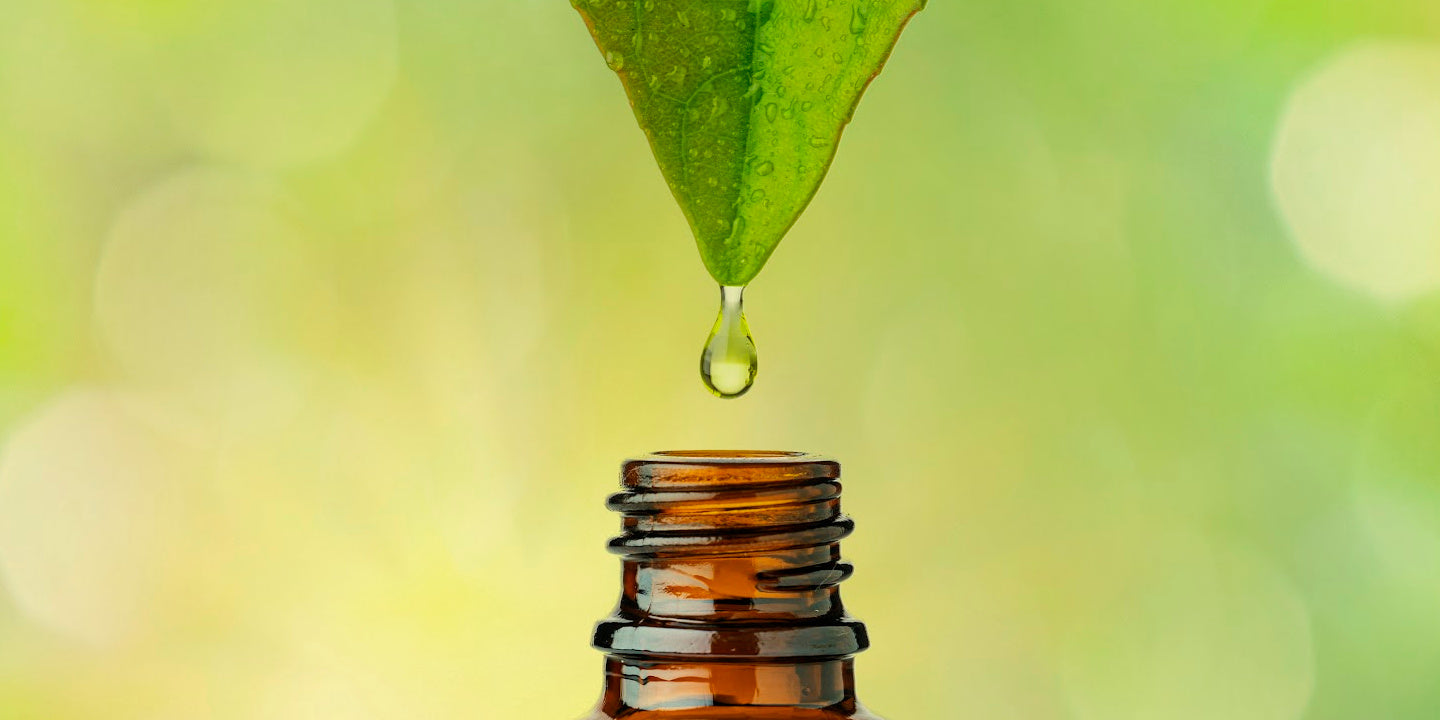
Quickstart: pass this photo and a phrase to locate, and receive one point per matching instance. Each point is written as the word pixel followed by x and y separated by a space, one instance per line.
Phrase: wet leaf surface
pixel 743 102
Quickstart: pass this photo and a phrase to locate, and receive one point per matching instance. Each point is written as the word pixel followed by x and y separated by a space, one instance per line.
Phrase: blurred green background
pixel 324 325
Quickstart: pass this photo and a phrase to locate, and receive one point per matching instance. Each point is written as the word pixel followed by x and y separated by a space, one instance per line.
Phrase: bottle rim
pixel 729 457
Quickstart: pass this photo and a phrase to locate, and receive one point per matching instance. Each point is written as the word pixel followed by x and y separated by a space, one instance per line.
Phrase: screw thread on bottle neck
pixel 731 593
pixel 731 554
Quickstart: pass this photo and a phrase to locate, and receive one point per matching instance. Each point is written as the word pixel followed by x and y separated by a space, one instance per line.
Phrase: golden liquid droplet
pixel 729 362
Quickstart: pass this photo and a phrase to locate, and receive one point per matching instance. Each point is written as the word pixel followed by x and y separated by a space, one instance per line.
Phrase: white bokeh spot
pixel 1356 169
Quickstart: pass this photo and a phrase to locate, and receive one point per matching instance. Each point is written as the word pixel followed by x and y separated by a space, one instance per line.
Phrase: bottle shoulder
pixel 737 713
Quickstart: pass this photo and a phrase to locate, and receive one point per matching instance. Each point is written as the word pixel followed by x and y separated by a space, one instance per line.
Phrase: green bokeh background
pixel 324 325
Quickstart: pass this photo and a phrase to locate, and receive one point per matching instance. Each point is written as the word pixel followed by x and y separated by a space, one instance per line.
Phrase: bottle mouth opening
pixel 730 453
pixel 728 457
pixel 725 470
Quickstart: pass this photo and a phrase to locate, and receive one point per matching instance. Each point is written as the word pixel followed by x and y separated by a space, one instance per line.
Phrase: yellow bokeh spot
pixel 205 287
pixel 90 518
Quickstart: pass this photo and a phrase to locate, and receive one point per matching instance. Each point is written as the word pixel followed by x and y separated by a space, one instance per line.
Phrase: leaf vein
pixel 685 121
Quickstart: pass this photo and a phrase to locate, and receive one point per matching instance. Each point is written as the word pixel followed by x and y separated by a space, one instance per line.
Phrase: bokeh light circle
pixel 89 515
pixel 1356 169
pixel 204 285
pixel 1396 495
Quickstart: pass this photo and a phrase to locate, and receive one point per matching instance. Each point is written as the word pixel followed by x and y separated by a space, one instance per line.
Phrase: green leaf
pixel 743 102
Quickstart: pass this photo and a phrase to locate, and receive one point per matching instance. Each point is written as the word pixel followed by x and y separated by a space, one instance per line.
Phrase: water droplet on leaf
pixel 858 21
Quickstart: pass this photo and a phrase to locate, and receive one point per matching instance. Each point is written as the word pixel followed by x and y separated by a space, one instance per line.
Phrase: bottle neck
pixel 731 585
pixel 660 685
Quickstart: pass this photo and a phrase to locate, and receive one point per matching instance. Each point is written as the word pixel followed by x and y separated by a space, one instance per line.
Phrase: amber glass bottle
pixel 731 603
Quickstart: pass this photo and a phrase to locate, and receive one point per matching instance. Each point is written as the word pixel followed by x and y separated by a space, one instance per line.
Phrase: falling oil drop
pixel 729 362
